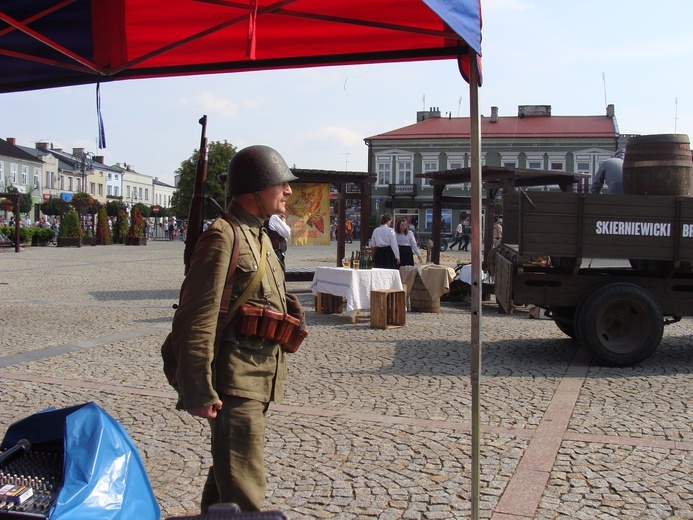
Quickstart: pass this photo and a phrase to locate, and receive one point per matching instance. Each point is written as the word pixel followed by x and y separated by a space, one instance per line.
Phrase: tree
pixel 218 156
pixel 26 203
pixel 53 206
pixel 69 227
pixel 103 232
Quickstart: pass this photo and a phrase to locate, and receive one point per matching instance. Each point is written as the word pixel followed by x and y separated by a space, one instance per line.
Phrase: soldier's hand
pixel 206 412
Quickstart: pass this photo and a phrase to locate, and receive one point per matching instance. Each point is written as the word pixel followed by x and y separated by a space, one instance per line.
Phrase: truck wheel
pixel 443 245
pixel 621 323
pixel 565 321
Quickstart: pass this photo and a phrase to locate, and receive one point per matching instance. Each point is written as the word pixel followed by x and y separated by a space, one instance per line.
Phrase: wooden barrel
pixel 420 299
pixel 658 165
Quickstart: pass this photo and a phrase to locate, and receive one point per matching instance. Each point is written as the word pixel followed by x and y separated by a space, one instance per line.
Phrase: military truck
pixel 616 306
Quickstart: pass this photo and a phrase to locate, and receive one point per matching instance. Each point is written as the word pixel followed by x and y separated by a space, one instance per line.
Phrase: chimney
pixel 494 114
pixel 98 159
pixel 78 152
pixel 610 111
pixel 42 145
pixel 533 111
pixel 11 140
pixel 424 115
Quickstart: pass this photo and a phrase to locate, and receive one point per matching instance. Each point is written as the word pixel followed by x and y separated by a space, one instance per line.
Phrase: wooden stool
pixel 328 303
pixel 388 308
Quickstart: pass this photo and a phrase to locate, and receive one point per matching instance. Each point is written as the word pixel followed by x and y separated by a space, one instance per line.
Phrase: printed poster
pixel 308 214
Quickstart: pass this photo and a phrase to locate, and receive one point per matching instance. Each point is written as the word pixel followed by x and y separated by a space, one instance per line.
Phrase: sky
pixel 577 57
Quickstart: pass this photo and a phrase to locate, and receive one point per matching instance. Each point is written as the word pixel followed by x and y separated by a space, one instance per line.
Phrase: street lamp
pixel 87 164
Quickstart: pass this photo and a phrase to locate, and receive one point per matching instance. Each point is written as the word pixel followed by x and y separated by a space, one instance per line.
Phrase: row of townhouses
pixel 533 138
pixel 46 172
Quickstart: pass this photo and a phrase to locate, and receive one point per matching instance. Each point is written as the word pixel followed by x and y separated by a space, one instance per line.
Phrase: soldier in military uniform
pixel 234 390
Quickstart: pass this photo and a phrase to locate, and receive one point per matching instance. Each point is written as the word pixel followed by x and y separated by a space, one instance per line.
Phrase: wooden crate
pixel 328 303
pixel 388 308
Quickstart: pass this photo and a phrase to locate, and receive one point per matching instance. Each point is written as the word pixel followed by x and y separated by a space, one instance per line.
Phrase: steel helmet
pixel 255 168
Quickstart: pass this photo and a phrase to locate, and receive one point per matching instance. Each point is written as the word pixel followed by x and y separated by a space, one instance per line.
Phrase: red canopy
pixel 50 43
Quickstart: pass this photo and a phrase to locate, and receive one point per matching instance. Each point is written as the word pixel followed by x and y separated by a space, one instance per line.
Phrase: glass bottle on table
pixel 351 263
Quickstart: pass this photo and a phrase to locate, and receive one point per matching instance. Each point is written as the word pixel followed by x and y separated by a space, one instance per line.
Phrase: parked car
pixel 422 238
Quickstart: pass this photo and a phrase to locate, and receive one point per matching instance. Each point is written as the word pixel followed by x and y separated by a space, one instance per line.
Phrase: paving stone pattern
pixel 376 423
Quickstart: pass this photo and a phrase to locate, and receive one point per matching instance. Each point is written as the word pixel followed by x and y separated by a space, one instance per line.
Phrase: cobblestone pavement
pixel 376 423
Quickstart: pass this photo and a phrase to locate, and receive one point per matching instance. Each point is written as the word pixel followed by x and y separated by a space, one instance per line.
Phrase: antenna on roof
pixel 606 104
pixel 676 112
pixel 459 105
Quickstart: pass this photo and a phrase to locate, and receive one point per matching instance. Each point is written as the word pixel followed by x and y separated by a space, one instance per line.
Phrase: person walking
pixel 349 231
pixel 406 242
pixel 232 387
pixel 466 235
pixel 458 237
pixel 385 243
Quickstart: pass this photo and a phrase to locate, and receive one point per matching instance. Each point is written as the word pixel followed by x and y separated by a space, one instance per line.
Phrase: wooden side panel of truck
pixel 617 312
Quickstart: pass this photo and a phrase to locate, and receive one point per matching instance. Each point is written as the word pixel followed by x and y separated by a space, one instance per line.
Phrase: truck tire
pixel 564 318
pixel 621 323
pixel 443 244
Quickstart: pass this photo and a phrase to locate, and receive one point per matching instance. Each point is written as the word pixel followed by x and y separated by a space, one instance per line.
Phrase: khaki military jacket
pixel 245 367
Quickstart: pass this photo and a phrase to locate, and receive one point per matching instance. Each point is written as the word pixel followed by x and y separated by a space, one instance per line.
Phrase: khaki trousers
pixel 237 474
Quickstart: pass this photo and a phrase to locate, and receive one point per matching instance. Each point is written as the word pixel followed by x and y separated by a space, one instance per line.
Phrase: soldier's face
pixel 274 198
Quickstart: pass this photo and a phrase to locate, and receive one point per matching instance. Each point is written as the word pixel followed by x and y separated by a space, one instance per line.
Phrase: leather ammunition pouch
pixel 269 326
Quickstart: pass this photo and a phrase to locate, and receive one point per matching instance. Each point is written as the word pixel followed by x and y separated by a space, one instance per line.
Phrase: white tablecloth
pixel 354 284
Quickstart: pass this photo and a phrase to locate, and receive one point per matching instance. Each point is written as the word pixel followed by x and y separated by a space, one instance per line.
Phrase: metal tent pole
pixel 475 372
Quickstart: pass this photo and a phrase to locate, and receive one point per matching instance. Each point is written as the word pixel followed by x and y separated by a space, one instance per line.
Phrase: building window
pixel 13 173
pixel 535 162
pixel 455 162
pixel 127 190
pixel 69 183
pixel 100 190
pixel 25 175
pixel 62 182
pixel 557 163
pixel 509 160
pixel 109 190
pixel 146 194
pixel 2 171
pixel 37 178
pixel 384 171
pixel 109 176
pixel 140 194
pixel 430 164
pixel 404 170
pixel 92 188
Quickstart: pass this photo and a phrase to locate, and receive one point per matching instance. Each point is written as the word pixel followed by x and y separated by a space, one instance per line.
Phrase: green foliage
pixel 144 210
pixel 69 226
pixel 136 224
pixel 103 232
pixel 53 206
pixel 114 206
pixel 26 203
pixel 120 230
pixel 218 156
pixel 85 203
pixel 25 233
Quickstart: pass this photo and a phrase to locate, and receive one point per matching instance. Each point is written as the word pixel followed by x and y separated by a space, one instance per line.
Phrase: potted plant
pixel 70 234
pixel 84 204
pixel 103 232
pixel 136 231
